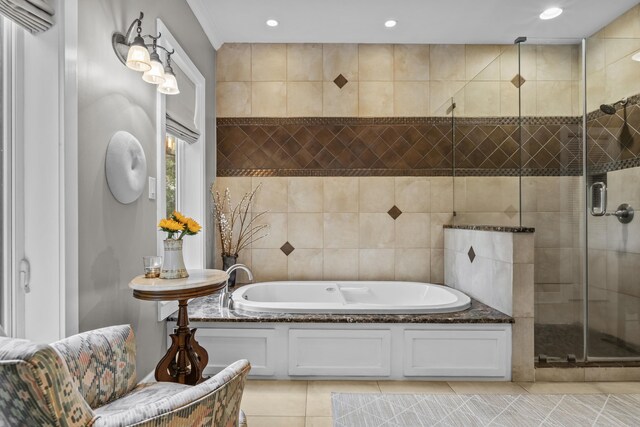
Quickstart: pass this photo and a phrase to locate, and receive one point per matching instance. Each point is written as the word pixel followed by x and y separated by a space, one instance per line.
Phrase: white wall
pixel 114 237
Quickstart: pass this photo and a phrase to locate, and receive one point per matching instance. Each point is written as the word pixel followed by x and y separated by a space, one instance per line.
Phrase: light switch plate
pixel 152 188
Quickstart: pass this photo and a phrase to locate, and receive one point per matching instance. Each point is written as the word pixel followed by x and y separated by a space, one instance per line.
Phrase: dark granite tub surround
pixel 207 309
pixel 498 228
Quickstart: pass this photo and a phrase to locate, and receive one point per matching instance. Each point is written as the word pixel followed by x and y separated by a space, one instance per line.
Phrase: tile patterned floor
pixel 308 403
pixel 417 410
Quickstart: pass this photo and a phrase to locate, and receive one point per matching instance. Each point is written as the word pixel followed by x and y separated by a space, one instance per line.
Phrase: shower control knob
pixel 624 213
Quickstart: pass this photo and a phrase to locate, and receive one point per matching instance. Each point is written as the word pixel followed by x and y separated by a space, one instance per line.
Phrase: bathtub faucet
pixel 225 298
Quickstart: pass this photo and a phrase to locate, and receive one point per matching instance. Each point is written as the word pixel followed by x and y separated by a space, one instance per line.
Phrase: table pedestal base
pixel 185 359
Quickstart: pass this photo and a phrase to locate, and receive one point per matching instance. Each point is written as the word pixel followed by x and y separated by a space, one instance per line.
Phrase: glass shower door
pixel 613 190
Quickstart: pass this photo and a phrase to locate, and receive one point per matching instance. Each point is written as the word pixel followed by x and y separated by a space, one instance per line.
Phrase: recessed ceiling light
pixel 390 23
pixel 552 12
pixel 272 22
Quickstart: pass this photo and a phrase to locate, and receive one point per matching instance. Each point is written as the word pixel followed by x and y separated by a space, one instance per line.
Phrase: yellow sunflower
pixel 179 217
pixel 193 226
pixel 170 226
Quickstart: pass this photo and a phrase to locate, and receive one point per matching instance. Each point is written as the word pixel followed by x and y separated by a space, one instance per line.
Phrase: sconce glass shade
pixel 156 74
pixel 636 56
pixel 138 56
pixel 170 85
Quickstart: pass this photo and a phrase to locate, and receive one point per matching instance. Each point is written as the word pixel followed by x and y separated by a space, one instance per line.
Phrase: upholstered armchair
pixel 90 380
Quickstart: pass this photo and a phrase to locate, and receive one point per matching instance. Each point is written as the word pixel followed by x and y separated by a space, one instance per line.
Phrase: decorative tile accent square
pixel 287 248
pixel 340 81
pixel 394 212
pixel 518 80
pixel 471 254
pixel 368 410
pixel 511 211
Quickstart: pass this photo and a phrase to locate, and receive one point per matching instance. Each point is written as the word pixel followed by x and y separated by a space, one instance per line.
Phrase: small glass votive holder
pixel 152 266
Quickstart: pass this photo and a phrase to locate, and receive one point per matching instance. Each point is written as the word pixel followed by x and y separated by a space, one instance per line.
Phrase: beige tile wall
pixel 554 206
pixel 340 227
pixel 611 74
pixel 614 260
pixel 296 80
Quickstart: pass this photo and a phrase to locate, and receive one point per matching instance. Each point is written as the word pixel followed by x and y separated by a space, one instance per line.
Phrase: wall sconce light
pixel 136 56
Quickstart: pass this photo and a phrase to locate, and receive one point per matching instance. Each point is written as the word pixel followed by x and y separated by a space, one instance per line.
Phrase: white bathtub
pixel 350 298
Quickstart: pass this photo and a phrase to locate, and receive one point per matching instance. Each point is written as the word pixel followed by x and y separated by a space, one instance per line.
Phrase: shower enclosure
pixel 547 134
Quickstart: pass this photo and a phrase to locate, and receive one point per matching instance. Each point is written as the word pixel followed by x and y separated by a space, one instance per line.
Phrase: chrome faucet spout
pixel 225 298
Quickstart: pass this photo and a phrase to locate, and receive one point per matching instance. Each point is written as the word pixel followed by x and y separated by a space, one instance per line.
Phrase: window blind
pixel 33 15
pixel 181 109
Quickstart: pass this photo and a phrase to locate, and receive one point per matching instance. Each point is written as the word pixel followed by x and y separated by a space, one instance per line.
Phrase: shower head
pixel 611 108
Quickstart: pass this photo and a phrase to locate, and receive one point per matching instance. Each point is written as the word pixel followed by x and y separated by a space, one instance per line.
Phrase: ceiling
pixel 419 21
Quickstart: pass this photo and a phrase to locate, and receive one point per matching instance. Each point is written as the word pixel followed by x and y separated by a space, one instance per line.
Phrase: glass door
pixel 613 192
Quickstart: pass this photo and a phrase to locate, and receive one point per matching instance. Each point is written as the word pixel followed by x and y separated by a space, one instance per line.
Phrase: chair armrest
pixel 102 363
pixel 214 402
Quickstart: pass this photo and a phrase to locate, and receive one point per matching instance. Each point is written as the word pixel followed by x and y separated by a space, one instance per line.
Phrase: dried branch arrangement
pixel 230 219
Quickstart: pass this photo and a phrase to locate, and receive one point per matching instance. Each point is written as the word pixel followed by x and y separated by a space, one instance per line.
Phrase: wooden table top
pixel 199 283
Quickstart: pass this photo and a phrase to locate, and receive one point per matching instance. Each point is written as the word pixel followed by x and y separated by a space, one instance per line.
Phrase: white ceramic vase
pixel 173 262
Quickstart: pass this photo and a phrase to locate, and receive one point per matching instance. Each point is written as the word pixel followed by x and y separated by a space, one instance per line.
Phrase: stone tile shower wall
pixel 326 111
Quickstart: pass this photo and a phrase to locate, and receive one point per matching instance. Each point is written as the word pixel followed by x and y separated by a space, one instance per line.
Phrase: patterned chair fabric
pixel 38 389
pixel 102 363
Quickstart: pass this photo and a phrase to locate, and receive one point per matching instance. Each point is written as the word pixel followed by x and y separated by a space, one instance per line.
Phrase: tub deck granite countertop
pixel 207 309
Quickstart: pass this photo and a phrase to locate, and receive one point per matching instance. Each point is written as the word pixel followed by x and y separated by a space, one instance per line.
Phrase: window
pixel 171 189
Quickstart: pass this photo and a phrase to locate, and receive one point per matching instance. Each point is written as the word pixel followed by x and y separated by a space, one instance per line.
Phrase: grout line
pixel 554 408
pixel 601 410
pixel 306 403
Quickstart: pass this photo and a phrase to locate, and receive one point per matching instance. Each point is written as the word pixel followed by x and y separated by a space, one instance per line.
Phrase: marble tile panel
pixel 269 265
pixel 377 194
pixel 340 59
pixel 341 230
pixel 273 194
pixel 305 264
pixel 304 62
pixel 306 230
pixel 269 99
pixel 411 62
pixel 377 264
pixel 413 230
pixel 375 99
pixel 413 265
pixel 268 62
pixel 305 194
pixel 377 231
pixel 341 194
pixel 375 62
pixel 341 264
pixel 304 99
pixel 233 62
pixel 233 99
pixel 411 99
pixel 339 102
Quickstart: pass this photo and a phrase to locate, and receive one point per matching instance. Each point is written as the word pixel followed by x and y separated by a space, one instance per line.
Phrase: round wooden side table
pixel 185 359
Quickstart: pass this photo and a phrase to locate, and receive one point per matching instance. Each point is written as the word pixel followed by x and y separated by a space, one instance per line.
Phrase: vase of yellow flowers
pixel 177 226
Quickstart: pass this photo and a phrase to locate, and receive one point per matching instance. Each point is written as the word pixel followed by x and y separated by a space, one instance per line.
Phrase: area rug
pixel 418 410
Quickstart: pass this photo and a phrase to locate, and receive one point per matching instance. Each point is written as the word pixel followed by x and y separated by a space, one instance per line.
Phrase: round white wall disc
pixel 126 167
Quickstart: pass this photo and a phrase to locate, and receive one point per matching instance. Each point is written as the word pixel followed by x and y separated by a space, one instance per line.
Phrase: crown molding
pixel 203 17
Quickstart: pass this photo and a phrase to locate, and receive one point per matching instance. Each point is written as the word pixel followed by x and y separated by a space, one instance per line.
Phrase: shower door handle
pixel 601 209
